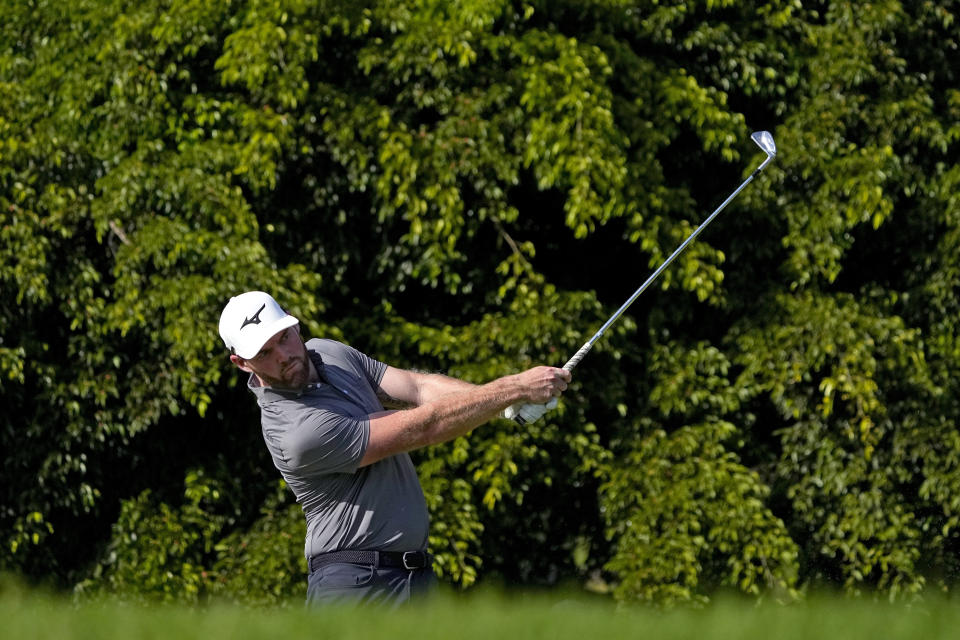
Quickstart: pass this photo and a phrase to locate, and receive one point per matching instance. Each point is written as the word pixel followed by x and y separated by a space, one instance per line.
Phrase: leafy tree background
pixel 472 187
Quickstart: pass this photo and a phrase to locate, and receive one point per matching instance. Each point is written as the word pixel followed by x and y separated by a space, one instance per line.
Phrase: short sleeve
pixel 372 369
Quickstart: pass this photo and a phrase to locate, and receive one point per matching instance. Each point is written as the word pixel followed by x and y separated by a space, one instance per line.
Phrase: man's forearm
pixel 433 386
pixel 404 389
pixel 456 411
pixel 454 408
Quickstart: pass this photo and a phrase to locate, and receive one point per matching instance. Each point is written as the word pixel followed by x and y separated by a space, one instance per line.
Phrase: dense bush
pixel 473 187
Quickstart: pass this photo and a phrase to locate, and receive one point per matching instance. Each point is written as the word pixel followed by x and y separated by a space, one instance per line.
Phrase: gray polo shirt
pixel 318 436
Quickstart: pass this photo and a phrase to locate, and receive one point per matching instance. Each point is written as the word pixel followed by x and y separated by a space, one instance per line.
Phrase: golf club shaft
pixel 578 356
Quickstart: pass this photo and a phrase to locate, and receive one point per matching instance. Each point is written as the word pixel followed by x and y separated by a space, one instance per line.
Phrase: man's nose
pixel 287 354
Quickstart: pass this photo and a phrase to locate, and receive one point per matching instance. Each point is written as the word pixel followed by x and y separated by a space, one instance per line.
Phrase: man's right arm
pixel 404 389
pixel 455 414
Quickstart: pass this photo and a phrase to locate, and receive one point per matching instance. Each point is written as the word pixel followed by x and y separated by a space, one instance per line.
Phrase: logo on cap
pixel 255 319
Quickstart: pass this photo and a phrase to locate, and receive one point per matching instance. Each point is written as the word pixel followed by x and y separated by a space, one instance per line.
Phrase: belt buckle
pixel 416 563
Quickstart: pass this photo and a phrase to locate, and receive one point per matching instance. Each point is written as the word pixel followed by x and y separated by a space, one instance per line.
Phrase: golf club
pixel 528 413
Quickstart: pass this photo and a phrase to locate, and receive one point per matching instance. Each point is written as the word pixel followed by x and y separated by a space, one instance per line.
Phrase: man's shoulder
pixel 327 345
pixel 335 359
pixel 336 352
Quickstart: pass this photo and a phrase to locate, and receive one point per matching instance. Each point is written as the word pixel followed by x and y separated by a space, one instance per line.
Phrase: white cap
pixel 249 320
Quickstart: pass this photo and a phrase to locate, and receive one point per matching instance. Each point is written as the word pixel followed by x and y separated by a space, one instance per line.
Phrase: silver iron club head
pixel 765 141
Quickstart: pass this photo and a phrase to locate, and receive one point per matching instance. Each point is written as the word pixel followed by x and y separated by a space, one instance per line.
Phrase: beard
pixel 294 375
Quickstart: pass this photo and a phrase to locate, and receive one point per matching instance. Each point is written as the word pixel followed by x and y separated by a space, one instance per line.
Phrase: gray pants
pixel 344 583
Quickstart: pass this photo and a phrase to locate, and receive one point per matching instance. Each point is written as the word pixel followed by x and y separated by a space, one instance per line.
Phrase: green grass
pixel 25 614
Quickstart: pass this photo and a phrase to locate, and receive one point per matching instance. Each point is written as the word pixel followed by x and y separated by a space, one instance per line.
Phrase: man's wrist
pixel 510 389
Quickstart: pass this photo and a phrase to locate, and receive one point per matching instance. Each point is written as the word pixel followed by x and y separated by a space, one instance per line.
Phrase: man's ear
pixel 240 362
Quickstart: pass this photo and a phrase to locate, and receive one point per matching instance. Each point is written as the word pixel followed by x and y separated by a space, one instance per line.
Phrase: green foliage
pixel 188 554
pixel 470 187
pixel 263 564
pixel 159 553
pixel 686 517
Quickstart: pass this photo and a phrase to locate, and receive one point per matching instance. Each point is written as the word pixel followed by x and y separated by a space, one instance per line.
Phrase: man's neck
pixel 314 374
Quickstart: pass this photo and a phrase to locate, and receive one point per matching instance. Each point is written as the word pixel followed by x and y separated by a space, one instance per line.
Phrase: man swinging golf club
pixel 339 425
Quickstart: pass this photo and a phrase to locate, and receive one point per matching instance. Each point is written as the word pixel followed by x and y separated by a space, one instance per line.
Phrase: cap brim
pixel 253 342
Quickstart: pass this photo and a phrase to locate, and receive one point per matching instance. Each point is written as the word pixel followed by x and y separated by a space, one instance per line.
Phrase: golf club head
pixel 765 141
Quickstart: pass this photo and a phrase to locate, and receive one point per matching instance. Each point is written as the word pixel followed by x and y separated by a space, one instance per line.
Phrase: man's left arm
pixel 403 389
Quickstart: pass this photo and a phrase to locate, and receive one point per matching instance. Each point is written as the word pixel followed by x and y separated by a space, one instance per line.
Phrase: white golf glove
pixel 527 413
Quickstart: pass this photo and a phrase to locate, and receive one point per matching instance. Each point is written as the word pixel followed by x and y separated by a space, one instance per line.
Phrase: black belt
pixel 410 560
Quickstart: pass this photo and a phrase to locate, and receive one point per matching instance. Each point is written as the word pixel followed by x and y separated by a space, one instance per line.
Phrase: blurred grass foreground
pixel 30 614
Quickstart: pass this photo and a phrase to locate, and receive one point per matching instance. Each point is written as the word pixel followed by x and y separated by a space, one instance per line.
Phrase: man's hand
pixel 544 384
pixel 527 413
pixel 541 384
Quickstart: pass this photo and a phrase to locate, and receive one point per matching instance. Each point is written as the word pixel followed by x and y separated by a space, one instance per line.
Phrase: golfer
pixel 339 425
